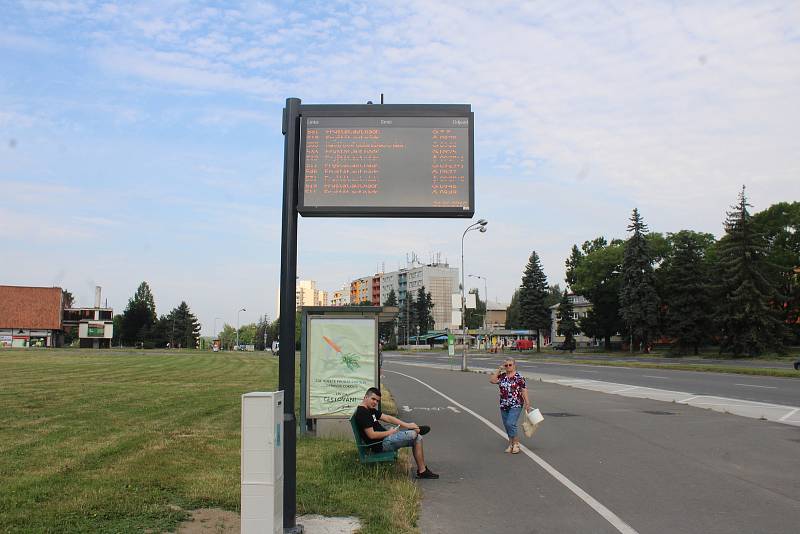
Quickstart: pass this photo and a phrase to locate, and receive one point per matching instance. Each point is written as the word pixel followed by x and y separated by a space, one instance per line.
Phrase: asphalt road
pixel 599 463
pixel 784 391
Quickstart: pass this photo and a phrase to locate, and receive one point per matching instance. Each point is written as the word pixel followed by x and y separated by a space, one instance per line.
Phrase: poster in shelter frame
pixel 342 363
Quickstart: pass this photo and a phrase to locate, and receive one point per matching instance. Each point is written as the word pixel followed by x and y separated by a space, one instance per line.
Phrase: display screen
pixel 389 165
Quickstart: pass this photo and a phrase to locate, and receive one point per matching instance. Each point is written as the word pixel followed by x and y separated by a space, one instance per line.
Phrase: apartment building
pixel 439 279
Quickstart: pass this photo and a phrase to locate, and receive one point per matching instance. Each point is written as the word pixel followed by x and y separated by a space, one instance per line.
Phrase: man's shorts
pixel 398 440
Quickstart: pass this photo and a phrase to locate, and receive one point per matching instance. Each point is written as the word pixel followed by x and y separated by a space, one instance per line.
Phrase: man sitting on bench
pixel 368 419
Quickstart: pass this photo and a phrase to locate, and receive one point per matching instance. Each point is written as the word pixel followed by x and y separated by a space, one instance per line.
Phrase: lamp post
pixel 215 332
pixel 480 226
pixel 237 327
pixel 485 300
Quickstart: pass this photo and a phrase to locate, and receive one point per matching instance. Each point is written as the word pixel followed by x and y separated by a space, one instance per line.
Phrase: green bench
pixel 365 455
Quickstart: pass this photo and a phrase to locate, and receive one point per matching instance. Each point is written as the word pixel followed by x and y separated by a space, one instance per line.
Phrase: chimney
pixel 97 291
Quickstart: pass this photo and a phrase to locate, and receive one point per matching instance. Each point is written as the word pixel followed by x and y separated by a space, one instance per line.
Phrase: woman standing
pixel 513 398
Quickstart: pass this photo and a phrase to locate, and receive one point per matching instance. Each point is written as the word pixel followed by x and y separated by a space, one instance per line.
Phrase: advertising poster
pixel 5 341
pixel 95 330
pixel 342 359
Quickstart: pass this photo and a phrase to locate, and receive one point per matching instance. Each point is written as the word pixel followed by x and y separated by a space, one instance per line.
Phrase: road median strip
pixel 777 413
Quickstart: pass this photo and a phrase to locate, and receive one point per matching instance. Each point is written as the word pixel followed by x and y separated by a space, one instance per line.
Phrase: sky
pixel 141 141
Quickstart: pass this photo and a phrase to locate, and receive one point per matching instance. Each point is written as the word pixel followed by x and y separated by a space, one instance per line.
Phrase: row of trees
pixel 741 292
pixel 139 325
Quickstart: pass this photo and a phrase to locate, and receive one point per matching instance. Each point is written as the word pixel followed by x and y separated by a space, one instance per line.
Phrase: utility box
pixel 262 463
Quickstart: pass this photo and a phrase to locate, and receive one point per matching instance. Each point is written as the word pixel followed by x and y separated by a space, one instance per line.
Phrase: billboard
pixel 95 330
pixel 386 161
pixel 342 363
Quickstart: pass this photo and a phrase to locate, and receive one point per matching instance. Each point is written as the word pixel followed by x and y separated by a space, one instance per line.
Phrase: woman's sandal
pixel 515 449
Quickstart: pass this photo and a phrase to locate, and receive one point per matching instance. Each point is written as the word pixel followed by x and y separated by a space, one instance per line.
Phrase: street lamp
pixel 485 299
pixel 480 226
pixel 215 332
pixel 237 327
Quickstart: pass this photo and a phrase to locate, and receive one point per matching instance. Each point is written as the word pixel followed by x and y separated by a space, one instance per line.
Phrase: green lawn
pixel 127 441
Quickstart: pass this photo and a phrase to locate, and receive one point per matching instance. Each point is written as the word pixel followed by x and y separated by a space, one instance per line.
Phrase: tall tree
pixel 572 263
pixel 513 320
pixel 638 298
pixel 567 326
pixel 534 313
pixel 780 225
pixel 262 340
pixel 67 299
pixel 139 317
pixel 597 278
pixel 407 318
pixel 748 323
pixel 184 328
pixel 424 307
pixel 687 291
pixel 388 331
pixel 474 317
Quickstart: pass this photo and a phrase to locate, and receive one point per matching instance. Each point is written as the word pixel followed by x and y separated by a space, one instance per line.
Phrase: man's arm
pixel 377 435
pixel 395 421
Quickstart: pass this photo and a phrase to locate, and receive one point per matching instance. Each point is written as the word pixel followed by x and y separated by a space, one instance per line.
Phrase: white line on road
pixel 587 371
pixel 788 415
pixel 654 376
pixel 607 514
pixel 755 386
pixel 453 408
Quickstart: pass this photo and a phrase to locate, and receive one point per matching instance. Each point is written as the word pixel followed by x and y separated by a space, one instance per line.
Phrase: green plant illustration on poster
pixel 342 360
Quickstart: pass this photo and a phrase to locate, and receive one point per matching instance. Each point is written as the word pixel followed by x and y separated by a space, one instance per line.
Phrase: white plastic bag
pixel 535 416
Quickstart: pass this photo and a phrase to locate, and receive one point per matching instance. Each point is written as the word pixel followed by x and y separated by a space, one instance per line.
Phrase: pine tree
pixel 139 317
pixel 747 322
pixel 687 293
pixel 424 305
pixel 513 320
pixel 185 327
pixel 388 331
pixel 567 326
pixel 638 299
pixel 534 314
pixel 572 263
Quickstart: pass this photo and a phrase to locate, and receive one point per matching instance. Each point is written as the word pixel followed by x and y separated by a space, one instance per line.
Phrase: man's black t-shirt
pixel 366 418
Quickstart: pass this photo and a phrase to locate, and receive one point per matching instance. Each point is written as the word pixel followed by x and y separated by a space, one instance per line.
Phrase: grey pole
pixel 480 225
pixel 237 327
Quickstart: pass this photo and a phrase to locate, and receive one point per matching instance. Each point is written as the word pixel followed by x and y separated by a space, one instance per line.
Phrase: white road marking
pixel 587 371
pixel 788 415
pixel 654 376
pixel 755 386
pixel 406 408
pixel 453 408
pixel 607 514
pixel 623 389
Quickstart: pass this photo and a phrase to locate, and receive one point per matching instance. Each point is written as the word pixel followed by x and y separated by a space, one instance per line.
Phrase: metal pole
pixel 463 308
pixel 291 131
pixel 237 327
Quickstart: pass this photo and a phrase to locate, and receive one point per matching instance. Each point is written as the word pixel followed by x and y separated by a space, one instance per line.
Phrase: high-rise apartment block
pixel 439 279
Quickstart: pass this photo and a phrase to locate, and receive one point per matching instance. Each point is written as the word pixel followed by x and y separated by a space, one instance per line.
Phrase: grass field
pixel 128 441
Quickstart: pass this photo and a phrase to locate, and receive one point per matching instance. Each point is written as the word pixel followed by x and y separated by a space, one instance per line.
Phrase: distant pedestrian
pixel 513 399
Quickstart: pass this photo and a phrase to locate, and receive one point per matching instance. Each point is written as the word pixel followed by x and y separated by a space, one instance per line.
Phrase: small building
pixel 496 314
pixel 30 316
pixel 94 327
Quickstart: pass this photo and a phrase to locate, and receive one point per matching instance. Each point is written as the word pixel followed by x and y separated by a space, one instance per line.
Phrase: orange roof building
pixel 30 316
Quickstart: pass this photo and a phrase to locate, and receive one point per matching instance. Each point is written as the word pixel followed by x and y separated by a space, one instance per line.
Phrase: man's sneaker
pixel 427 474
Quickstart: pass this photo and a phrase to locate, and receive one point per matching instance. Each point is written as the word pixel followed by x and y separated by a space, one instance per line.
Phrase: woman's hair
pixel 512 360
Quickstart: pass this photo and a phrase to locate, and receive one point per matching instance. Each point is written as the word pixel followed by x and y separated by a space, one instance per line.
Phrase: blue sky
pixel 141 141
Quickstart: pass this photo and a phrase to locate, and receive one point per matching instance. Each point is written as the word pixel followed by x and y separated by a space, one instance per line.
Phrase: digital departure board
pixel 386 161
